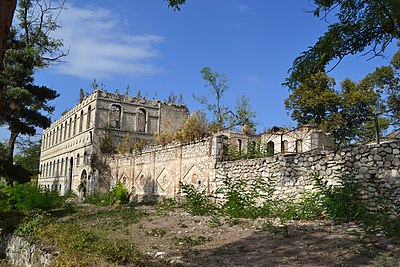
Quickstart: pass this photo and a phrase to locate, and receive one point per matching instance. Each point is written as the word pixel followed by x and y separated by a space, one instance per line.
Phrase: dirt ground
pixel 176 238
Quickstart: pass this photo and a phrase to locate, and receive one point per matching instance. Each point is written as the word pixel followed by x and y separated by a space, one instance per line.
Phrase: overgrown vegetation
pixel 118 195
pixel 256 149
pixel 27 197
pixel 195 128
pixel 243 198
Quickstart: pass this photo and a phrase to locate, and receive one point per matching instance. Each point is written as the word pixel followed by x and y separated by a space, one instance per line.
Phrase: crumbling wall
pixel 157 171
pixel 375 168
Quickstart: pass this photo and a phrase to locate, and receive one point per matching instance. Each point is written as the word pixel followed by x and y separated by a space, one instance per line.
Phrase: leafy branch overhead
pixel 367 26
pixel 349 112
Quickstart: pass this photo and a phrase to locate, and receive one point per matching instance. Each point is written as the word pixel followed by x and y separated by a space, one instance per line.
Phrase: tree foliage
pixel 28 159
pixel 176 4
pixel 24 106
pixel 224 117
pixel 360 26
pixel 346 113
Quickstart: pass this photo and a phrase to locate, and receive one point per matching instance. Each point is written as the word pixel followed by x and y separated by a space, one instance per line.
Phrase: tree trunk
pixel 10 156
pixel 7 8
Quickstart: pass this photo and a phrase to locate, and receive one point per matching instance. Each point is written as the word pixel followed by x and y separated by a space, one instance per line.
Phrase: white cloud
pixel 99 46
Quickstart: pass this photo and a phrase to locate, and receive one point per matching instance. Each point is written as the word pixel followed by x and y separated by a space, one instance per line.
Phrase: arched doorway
pixel 83 183
pixel 71 164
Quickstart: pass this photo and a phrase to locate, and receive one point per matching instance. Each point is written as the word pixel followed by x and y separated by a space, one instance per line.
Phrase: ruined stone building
pixel 282 140
pixel 71 143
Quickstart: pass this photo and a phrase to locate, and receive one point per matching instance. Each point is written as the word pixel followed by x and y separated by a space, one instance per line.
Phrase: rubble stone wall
pixel 20 252
pixel 373 167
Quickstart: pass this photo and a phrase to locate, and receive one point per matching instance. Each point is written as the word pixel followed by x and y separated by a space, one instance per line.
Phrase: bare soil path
pixel 176 238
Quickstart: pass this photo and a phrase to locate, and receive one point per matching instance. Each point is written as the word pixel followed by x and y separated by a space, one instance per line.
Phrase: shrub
pixel 95 198
pixel 25 197
pixel 197 202
pixel 118 195
pixel 195 128
pixel 163 138
pixel 244 199
pixel 130 145
pixel 342 203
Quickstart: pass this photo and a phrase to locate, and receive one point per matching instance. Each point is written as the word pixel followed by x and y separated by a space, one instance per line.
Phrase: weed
pixel 81 247
pixel 385 260
pixel 121 216
pixel 182 224
pixel 197 202
pixel 242 197
pixel 190 241
pixel 214 221
pixel 32 225
pixel 156 232
pixel 164 205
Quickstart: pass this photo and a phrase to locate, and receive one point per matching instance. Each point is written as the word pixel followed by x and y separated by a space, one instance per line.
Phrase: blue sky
pixel 150 47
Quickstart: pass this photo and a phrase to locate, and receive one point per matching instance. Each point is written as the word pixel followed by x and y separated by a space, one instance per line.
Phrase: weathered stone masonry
pixel 371 166
pixel 158 171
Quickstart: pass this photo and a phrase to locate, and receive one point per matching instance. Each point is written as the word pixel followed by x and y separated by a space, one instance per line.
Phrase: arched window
pixel 270 148
pixel 89 111
pixel 62 167
pixel 69 127
pixel 74 126
pixel 91 136
pixel 66 166
pixel 56 136
pixel 239 146
pixel 141 120
pixel 114 117
pixel 81 122
pixel 299 146
pixel 61 132
pixel 58 168
pixel 85 159
pixel 52 138
pixel 65 131
pixel 285 146
pixel 77 160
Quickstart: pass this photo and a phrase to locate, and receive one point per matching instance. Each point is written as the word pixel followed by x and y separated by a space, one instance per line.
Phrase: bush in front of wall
pixel 26 197
pixel 197 202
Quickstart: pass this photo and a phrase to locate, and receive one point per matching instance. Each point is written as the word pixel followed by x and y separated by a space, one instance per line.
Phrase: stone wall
pixel 157 171
pixel 373 167
pixel 20 252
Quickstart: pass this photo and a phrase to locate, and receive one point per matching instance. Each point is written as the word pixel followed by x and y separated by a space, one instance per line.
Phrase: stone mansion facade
pixel 72 145
pixel 72 141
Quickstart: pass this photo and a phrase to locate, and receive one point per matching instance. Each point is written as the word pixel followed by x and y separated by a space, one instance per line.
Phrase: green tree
pixel 28 159
pixel 359 25
pixel 28 49
pixel 346 113
pixel 224 117
pixel 314 101
pixel 386 82
pixel 216 83
pixel 244 113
